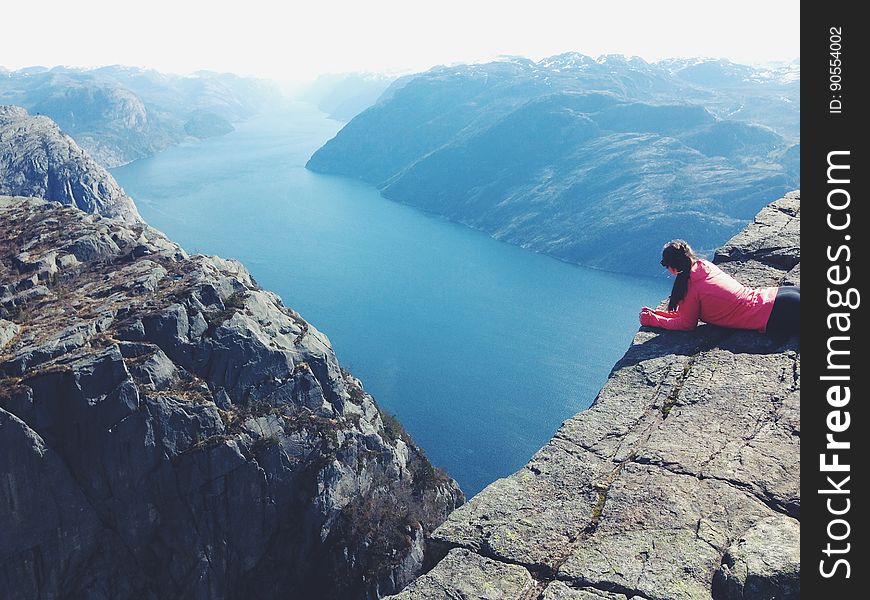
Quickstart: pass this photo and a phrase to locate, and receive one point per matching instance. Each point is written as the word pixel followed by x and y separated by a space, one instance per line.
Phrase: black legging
pixel 785 318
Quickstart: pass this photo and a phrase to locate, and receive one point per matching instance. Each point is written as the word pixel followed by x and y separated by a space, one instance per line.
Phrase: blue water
pixel 480 348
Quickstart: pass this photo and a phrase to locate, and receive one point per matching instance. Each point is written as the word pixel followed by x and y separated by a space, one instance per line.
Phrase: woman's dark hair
pixel 678 254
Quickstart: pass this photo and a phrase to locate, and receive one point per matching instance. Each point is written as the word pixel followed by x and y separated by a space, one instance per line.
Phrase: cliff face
pixel 681 481
pixel 37 159
pixel 169 429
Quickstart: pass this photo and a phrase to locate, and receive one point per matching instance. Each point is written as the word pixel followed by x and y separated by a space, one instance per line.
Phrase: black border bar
pixel 834 238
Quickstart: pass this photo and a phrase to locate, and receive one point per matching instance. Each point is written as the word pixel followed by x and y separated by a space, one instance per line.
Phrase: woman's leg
pixel 785 318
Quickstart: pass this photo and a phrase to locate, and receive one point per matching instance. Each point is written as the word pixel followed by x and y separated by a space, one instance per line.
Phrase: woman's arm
pixel 684 318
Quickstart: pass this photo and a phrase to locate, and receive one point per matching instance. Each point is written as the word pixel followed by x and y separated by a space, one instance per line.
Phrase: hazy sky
pixel 296 42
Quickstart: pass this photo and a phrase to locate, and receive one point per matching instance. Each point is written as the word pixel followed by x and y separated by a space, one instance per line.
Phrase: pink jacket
pixel 715 297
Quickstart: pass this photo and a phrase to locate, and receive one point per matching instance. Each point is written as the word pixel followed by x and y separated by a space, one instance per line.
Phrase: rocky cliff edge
pixel 680 482
pixel 169 429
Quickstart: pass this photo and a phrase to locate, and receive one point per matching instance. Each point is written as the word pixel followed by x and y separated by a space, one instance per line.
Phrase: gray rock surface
pixel 763 563
pixel 37 159
pixel 8 331
pixel 680 482
pixel 169 429
pixel 464 575
pixel 559 590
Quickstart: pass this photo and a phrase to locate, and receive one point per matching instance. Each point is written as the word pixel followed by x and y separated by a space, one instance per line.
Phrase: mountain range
pixel 119 114
pixel 344 95
pixel 593 161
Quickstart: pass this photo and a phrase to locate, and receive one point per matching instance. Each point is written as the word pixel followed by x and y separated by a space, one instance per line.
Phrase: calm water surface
pixel 480 348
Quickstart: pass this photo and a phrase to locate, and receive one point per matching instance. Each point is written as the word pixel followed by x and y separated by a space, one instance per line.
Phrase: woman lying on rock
pixel 703 291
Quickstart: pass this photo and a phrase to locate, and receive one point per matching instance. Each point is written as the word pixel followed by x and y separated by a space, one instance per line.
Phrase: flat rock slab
pixel 464 575
pixel 661 535
pixel 764 562
pixel 559 590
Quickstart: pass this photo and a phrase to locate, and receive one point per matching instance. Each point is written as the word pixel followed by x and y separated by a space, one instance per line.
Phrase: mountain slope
pixel 37 159
pixel 592 161
pixel 680 482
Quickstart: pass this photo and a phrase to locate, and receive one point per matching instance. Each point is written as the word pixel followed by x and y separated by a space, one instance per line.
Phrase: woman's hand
pixel 645 313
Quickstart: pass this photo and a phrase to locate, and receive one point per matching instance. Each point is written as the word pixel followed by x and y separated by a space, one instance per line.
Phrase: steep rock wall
pixel 169 429
pixel 680 482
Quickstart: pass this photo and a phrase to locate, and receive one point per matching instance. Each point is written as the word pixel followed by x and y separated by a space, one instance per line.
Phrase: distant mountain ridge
pixel 344 95
pixel 594 161
pixel 120 114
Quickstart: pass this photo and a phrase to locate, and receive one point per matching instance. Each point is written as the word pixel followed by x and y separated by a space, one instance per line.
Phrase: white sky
pixel 289 41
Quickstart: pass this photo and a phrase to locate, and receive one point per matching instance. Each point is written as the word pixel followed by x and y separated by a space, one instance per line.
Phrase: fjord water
pixel 480 348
